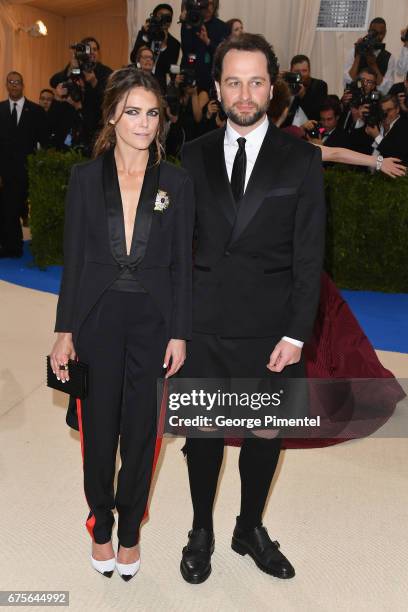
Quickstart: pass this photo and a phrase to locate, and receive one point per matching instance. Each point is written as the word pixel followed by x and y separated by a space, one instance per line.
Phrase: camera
pixel 316 132
pixel 195 12
pixel 156 32
pixel 369 43
pixel 294 80
pixel 189 71
pixel 374 115
pixel 83 57
pixel 82 54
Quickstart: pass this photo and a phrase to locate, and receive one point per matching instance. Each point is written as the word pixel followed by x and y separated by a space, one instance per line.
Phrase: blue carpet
pixel 383 316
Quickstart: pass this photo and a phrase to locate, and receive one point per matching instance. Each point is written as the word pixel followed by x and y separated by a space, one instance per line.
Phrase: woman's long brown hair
pixel 120 84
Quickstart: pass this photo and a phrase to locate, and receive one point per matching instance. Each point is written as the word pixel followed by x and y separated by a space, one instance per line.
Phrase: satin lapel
pixel 265 172
pixel 214 161
pixel 144 212
pixel 114 209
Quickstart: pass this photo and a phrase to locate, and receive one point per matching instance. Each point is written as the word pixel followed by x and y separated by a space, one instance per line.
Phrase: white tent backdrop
pixel 290 26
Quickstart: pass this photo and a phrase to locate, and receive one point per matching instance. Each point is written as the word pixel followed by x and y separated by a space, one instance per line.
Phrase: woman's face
pixel 237 28
pixel 138 125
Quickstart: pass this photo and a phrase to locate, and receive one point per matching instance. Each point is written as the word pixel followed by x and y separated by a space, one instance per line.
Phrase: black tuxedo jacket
pixel 95 248
pixel 257 271
pixel 316 92
pixel 17 144
pixel 395 143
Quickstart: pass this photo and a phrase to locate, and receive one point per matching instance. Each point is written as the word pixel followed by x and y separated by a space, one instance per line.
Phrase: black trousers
pixel 123 340
pixel 13 205
pixel 211 356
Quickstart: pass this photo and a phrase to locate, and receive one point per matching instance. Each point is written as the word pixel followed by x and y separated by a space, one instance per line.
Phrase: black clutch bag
pixel 77 385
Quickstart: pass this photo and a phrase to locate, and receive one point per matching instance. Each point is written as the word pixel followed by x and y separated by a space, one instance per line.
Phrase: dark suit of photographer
pixel 202 42
pixel 169 47
pixel 93 85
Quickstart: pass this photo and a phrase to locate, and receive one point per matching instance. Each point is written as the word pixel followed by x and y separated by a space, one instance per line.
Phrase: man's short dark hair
pixel 17 73
pixel 379 20
pixel 299 59
pixel 47 91
pixel 390 98
pixel 90 39
pixel 163 7
pixel 331 104
pixel 246 42
pixel 369 70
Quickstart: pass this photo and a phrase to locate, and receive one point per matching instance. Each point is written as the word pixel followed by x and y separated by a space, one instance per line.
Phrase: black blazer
pixel 166 58
pixel 395 143
pixel 94 243
pixel 17 144
pixel 257 272
pixel 316 93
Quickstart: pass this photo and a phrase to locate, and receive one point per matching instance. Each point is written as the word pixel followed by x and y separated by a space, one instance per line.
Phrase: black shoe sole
pixel 193 579
pixel 243 550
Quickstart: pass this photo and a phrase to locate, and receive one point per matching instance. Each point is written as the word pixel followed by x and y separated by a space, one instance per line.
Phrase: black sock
pixel 204 459
pixel 257 463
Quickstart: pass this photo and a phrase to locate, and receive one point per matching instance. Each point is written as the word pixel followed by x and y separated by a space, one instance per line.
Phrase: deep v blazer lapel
pixel 214 161
pixel 114 210
pixel 265 173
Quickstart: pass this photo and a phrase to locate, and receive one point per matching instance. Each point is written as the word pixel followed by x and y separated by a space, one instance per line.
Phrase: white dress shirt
pixel 254 140
pixel 19 107
pixel 402 64
pixel 388 78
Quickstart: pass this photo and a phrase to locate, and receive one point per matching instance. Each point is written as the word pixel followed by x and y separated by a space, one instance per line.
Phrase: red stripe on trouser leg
pixel 159 438
pixel 90 522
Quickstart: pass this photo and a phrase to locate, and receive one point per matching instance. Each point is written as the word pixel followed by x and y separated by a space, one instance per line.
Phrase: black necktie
pixel 14 115
pixel 239 171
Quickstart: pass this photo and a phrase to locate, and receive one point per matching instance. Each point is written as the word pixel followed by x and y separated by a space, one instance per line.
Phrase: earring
pixel 111 121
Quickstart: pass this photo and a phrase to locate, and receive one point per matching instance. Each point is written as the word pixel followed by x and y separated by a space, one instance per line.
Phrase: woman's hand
pixel 212 108
pixel 62 350
pixel 176 351
pixel 393 167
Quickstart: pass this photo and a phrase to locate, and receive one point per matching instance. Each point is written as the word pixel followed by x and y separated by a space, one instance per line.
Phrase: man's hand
pixel 401 98
pixel 363 110
pixel 203 35
pixel 346 97
pixel 212 108
pixel 285 353
pixel 371 60
pixel 176 351
pixel 302 91
pixel 309 125
pixel 372 131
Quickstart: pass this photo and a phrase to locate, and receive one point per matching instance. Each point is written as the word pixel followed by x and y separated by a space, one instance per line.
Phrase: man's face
pixel 169 14
pixel 303 69
pixel 245 88
pixel 368 82
pixel 209 12
pixel 328 119
pixel 14 86
pixel 391 111
pixel 46 99
pixel 94 55
pixel 380 30
pixel 146 60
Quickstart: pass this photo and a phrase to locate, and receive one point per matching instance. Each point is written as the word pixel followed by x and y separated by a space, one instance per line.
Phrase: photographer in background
pixel 83 81
pixel 23 128
pixel 201 33
pixel 402 63
pixel 144 59
pixel 46 99
pixel 370 52
pixel 401 91
pixel 391 135
pixel 156 36
pixel 308 93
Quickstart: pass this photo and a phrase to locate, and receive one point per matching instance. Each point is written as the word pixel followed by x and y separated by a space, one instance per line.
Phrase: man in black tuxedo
pixel 260 224
pixel 391 136
pixel 22 127
pixel 168 49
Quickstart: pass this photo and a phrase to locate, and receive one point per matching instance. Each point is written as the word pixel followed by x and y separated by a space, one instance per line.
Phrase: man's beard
pixel 247 119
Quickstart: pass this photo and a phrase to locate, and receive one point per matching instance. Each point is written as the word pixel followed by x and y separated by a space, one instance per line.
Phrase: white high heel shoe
pixel 127 570
pixel 104 567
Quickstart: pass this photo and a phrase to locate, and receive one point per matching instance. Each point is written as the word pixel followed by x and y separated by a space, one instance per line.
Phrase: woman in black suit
pixel 124 305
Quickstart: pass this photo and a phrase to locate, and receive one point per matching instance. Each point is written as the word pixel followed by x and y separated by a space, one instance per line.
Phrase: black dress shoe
pixel 266 554
pixel 195 564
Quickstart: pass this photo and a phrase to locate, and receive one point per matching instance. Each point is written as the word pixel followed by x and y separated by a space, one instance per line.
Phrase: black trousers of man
pixel 13 205
pixel 123 341
pixel 211 356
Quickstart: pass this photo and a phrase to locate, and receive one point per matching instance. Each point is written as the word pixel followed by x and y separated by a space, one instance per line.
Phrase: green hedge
pixel 367 233
pixel 48 180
